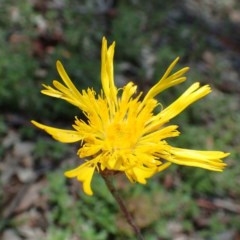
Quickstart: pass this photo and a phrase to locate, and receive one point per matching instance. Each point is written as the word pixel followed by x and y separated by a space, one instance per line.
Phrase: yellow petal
pixel 107 74
pixel 67 80
pixel 104 76
pixel 50 91
pixel 167 81
pixel 61 135
pixel 211 160
pixel 140 174
pixel 84 174
pixel 164 166
pixel 192 94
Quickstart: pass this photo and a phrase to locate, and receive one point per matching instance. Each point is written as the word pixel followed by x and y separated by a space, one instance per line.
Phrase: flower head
pixel 123 131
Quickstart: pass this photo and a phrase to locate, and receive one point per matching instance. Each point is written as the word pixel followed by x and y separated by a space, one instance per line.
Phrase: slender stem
pixel 122 206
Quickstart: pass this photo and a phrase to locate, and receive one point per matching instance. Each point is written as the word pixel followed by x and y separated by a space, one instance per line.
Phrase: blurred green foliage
pixel 34 39
pixel 88 217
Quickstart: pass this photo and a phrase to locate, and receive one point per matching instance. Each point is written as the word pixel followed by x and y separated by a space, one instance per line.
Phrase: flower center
pixel 120 136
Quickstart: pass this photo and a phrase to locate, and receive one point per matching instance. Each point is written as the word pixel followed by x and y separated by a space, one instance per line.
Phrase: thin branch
pixel 122 206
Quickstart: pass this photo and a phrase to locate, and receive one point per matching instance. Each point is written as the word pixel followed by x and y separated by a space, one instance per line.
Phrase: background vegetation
pixel 36 201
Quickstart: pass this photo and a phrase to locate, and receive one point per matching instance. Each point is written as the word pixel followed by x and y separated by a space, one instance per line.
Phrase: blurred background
pixel 36 201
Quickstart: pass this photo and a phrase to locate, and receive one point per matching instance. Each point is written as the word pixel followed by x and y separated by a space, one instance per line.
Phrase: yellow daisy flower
pixel 123 133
